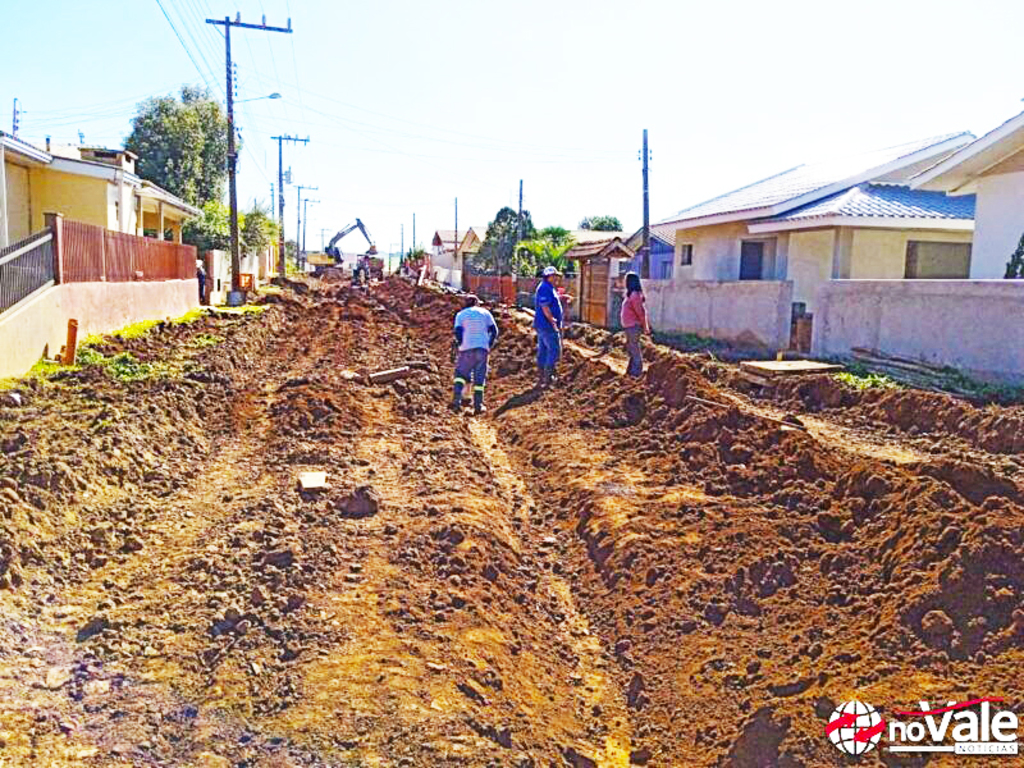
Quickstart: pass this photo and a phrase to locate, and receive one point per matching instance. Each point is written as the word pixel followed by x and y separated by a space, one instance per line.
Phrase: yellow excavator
pixel 376 265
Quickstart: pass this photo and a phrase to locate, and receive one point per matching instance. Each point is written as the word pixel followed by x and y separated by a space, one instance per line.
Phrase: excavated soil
pixel 604 574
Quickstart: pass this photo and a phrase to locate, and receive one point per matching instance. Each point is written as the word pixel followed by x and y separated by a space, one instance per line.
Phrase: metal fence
pixel 25 267
pixel 94 254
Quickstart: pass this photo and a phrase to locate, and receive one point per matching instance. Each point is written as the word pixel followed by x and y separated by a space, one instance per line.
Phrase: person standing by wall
pixel 547 321
pixel 201 277
pixel 475 332
pixel 633 319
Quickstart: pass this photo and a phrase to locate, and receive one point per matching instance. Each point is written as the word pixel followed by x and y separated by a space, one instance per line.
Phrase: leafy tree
pixel 257 230
pixel 1015 266
pixel 547 248
pixel 182 144
pixel 211 231
pixel 601 224
pixel 496 252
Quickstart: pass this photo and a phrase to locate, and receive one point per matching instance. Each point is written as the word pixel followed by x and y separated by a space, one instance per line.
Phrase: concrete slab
pixel 787 367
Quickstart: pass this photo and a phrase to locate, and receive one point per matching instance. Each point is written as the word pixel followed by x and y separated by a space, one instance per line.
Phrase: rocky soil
pixel 604 574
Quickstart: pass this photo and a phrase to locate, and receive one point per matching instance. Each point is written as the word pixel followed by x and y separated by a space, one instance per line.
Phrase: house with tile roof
pixel 446 260
pixel 93 185
pixel 854 216
pixel 992 169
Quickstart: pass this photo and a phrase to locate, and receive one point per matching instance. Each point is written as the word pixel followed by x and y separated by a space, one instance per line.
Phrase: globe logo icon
pixel 855 727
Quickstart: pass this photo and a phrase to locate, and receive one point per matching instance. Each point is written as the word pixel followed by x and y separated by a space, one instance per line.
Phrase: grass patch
pixel 863 379
pixel 205 340
pixel 135 330
pixel 245 309
pixel 123 366
pixel 687 342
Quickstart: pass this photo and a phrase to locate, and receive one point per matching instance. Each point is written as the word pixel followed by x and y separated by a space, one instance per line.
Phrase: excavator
pixel 376 266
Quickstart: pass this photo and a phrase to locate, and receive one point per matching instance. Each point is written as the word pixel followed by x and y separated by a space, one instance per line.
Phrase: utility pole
pixel 300 257
pixel 280 197
pixel 519 220
pixel 455 245
pixel 401 253
pixel 414 232
pixel 305 223
pixel 645 249
pixel 236 295
pixel 14 120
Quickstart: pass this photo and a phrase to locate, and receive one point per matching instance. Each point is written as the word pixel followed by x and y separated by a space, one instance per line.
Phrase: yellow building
pixel 93 185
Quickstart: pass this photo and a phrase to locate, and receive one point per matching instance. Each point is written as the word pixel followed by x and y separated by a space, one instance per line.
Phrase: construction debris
pixel 773 368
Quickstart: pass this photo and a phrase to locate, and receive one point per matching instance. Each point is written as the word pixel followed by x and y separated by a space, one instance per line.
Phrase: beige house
pixel 93 185
pixel 851 217
pixel 993 169
pixel 446 260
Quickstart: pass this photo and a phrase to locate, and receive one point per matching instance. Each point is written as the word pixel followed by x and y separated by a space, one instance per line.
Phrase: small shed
pixel 595 267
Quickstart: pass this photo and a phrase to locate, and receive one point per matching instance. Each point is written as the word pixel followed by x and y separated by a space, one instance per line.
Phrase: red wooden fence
pixel 95 254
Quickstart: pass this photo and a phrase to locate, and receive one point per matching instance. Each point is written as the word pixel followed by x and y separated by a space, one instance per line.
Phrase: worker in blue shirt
pixel 475 332
pixel 547 321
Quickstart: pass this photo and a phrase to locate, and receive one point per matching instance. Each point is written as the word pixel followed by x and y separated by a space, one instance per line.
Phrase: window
pixel 928 260
pixel 686 254
pixel 751 260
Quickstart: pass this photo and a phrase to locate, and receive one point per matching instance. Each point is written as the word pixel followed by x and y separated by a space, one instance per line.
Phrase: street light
pixel 260 98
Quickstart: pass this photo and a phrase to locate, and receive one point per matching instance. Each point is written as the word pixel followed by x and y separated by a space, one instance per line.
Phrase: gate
pixel 594 291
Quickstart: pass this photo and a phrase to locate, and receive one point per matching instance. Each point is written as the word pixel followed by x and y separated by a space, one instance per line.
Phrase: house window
pixel 928 260
pixel 751 260
pixel 686 254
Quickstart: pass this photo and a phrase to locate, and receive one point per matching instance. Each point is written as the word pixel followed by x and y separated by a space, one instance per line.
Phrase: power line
pixel 184 47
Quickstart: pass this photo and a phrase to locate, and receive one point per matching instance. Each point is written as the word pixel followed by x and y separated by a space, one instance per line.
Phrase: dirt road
pixel 603 575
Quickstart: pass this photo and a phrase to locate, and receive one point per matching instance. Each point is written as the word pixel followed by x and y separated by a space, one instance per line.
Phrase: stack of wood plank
pixel 915 373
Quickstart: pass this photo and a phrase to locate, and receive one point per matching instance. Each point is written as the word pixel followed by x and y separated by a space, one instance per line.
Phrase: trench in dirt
pixel 602 575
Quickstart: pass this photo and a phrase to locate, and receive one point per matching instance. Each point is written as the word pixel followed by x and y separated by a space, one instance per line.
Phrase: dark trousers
pixel 636 357
pixel 471 365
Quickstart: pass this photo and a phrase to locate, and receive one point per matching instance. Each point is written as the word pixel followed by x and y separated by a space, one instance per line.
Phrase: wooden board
pixel 787 367
pixel 594 291
pixel 312 481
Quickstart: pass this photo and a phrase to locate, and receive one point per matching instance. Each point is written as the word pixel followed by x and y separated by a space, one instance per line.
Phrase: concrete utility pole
pixel 300 257
pixel 645 249
pixel 280 197
pixel 305 224
pixel 14 120
pixel 236 296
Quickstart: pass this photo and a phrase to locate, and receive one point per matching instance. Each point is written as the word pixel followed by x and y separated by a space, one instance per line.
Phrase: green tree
pixel 257 230
pixel 1015 266
pixel 548 248
pixel 182 144
pixel 496 252
pixel 601 224
pixel 211 231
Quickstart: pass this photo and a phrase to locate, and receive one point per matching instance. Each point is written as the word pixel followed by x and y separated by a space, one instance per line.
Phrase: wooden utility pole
pixel 305 224
pixel 280 198
pixel 300 257
pixel 645 249
pixel 236 259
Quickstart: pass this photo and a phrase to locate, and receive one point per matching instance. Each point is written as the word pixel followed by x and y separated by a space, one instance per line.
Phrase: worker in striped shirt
pixel 475 332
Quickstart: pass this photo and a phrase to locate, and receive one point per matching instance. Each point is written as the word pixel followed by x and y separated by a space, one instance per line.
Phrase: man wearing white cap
pixel 547 321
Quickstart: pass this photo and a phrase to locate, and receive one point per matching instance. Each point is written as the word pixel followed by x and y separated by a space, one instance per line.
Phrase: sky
pixel 410 104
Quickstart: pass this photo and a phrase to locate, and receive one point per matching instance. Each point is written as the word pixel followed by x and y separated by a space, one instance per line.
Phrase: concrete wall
pixel 810 263
pixel 39 324
pixel 998 223
pixel 974 325
pixel 747 313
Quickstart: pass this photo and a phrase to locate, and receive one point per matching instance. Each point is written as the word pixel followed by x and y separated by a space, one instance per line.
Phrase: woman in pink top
pixel 634 322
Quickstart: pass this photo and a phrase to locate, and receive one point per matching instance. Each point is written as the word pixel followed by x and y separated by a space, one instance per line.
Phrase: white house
pixel 993 169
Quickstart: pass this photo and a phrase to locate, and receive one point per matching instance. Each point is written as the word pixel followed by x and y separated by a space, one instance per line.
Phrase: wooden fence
pixel 94 254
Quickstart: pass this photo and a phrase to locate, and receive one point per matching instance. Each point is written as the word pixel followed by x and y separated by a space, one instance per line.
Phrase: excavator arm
pixel 333 251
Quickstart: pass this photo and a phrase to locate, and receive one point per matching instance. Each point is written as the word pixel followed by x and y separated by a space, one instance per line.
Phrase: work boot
pixel 543 378
pixel 478 402
pixel 456 403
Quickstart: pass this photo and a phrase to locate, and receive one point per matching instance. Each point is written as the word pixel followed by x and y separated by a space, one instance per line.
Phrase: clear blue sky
pixel 410 104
